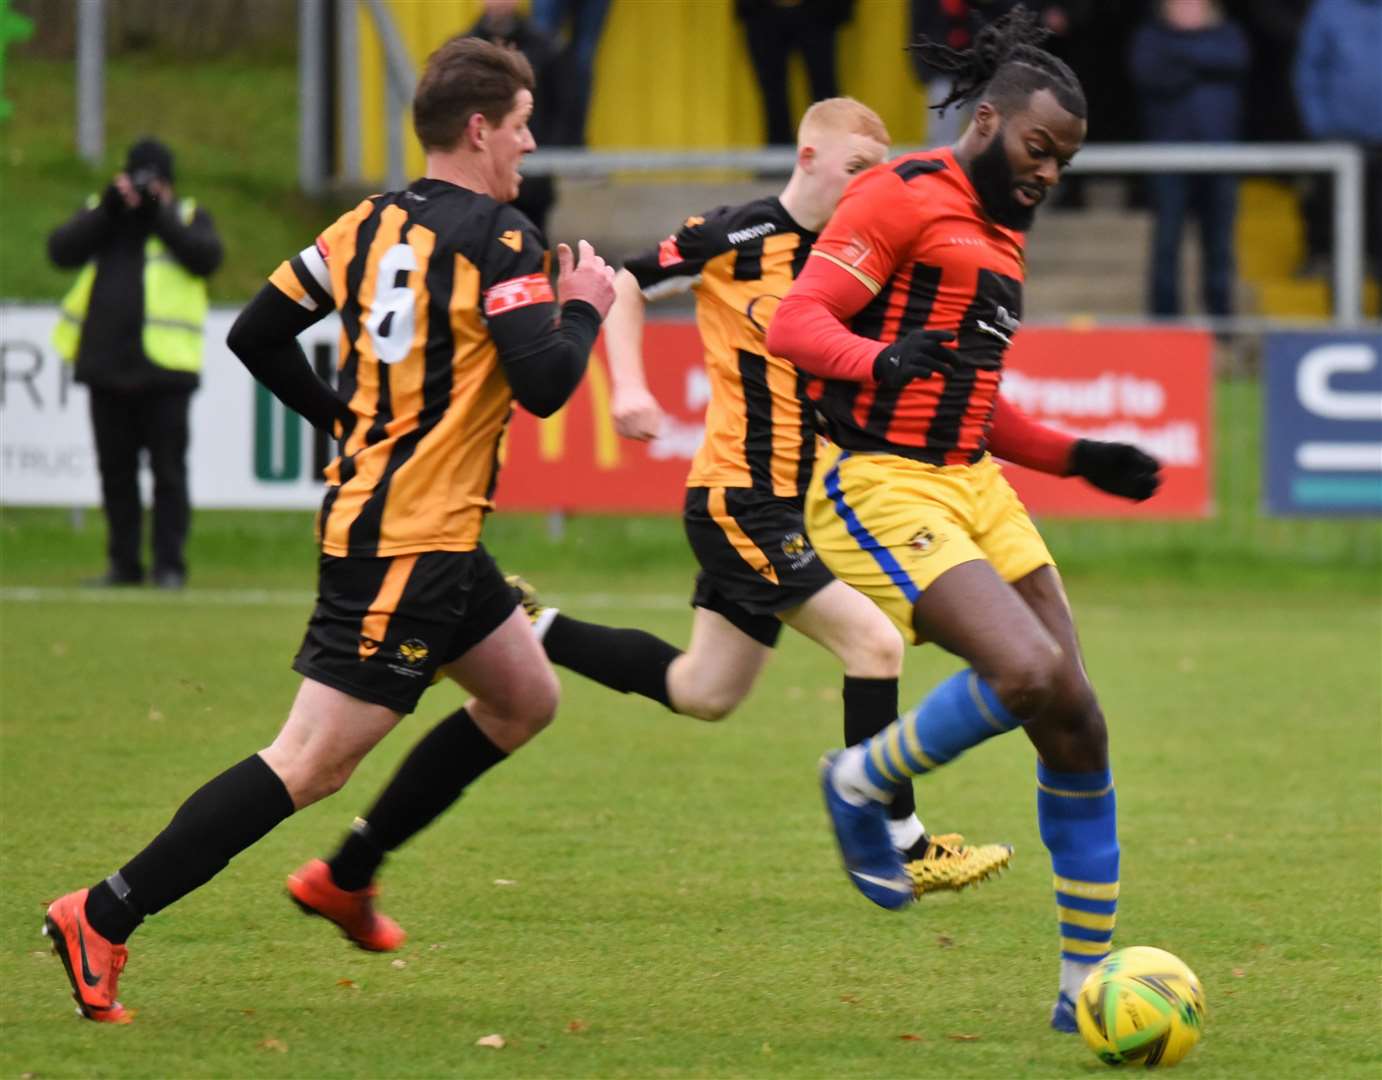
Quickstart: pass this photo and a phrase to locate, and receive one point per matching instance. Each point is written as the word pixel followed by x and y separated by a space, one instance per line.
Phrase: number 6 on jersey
pixel 390 322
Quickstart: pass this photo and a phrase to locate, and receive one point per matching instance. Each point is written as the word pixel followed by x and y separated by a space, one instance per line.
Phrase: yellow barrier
pixel 669 73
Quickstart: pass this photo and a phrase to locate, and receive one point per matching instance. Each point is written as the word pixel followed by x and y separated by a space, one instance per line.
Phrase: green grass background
pixel 677 908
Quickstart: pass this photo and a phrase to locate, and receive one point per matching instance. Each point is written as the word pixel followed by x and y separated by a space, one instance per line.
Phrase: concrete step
pixel 1090 261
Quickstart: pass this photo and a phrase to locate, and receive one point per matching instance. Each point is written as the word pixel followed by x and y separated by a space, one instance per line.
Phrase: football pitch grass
pixel 640 895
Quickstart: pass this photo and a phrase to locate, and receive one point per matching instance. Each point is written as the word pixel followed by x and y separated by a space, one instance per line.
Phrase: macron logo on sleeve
pixel 753 232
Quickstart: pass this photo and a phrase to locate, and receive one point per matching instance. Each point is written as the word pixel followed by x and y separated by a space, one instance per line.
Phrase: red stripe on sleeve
pixel 1016 437
pixel 809 330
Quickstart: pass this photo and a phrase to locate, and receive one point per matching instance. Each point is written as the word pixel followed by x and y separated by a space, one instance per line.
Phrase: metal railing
pixel 1343 162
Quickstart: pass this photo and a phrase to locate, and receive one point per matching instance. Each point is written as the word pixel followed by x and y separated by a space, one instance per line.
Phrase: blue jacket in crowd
pixel 1190 81
pixel 1339 70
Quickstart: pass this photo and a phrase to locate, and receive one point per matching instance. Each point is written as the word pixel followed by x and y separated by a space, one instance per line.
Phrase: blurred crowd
pixel 1167 71
pixel 1157 71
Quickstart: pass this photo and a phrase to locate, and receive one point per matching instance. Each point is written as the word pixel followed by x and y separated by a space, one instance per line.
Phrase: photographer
pixel 132 325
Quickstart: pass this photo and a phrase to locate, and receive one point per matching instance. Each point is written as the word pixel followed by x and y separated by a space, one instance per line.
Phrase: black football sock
pixel 870 706
pixel 447 760
pixel 630 661
pixel 217 822
pixel 108 909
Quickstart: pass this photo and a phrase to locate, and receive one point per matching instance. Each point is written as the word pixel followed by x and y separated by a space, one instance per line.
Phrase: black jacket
pixel 111 354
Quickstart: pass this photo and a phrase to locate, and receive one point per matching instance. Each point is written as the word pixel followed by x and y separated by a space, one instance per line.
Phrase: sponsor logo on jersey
pixel 761 310
pixel 512 239
pixel 1004 325
pixel 855 252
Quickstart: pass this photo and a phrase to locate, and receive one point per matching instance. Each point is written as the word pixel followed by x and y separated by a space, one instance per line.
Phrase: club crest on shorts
pixel 925 541
pixel 798 550
pixel 413 651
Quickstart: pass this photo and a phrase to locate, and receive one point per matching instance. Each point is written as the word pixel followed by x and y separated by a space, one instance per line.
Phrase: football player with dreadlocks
pixel 904 313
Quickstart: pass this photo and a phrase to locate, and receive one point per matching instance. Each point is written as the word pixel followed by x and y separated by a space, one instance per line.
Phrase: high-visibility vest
pixel 174 306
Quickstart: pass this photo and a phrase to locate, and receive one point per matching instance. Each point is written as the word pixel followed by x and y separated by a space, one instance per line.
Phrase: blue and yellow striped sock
pixel 961 712
pixel 1078 818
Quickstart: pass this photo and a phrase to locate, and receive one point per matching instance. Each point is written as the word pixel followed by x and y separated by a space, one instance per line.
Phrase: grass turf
pixel 675 907
pixel 640 895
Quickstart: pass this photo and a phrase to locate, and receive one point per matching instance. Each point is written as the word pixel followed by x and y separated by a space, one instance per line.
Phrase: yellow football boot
pixel 949 864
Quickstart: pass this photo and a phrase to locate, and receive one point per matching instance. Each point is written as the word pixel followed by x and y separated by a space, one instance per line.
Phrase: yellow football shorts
pixel 890 526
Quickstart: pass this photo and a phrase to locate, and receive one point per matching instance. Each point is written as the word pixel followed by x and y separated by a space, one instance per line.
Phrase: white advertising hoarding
pixel 247 449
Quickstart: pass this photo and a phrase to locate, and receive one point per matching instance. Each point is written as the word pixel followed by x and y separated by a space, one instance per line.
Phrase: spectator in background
pixel 1338 80
pixel 1273 29
pixel 952 23
pixel 586 19
pixel 132 324
pixel 775 29
pixel 555 121
pixel 1188 64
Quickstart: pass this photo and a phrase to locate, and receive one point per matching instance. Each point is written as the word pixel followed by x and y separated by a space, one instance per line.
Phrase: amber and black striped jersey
pixel 740 261
pixel 913 231
pixel 416 275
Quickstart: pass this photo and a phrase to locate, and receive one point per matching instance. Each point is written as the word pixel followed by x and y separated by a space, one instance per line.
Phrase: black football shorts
pixel 754 555
pixel 383 626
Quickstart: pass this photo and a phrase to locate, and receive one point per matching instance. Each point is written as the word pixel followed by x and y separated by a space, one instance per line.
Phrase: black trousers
pixel 124 424
pixel 1213 199
pixel 773 35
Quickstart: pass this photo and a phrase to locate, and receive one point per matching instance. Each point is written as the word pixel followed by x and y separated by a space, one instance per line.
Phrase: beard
pixel 993 180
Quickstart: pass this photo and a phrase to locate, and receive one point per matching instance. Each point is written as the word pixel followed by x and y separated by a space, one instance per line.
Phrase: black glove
pixel 112 202
pixel 919 354
pixel 149 207
pixel 1115 467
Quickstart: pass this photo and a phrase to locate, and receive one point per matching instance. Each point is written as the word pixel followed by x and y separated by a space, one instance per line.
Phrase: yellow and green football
pixel 1141 1006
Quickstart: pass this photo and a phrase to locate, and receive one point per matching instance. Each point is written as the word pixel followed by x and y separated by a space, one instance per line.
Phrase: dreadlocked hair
pixel 1006 64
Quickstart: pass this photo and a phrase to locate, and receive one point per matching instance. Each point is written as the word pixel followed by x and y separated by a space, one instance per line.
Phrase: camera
pixel 143 180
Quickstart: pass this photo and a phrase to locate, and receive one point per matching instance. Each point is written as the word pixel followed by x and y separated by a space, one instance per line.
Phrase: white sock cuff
pixel 905 831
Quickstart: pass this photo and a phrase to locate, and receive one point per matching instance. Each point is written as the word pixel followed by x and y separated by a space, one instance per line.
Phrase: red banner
pixel 1152 388
pixel 1149 387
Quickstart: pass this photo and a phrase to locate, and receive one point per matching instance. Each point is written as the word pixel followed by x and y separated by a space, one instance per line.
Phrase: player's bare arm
pixel 636 413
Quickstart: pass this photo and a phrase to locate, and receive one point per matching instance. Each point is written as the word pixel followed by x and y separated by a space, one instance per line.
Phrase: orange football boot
pixel 93 964
pixel 312 889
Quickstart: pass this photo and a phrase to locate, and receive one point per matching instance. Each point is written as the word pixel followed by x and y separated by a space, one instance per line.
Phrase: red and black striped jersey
pixel 740 261
pixel 415 275
pixel 913 231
